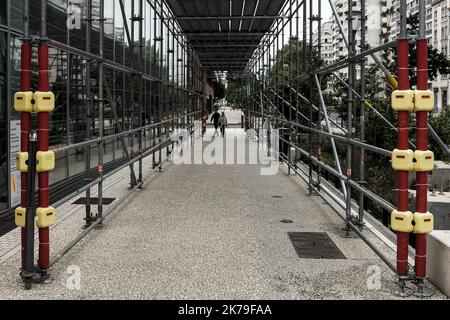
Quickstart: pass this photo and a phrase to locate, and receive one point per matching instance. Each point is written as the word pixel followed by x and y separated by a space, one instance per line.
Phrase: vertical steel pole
pixel 362 107
pixel 403 141
pixel 167 77
pixel 114 74
pixel 351 83
pixel 173 80
pixel 28 272
pixel 161 86
pixel 422 144
pixel 140 86
pixel 25 117
pixel 310 89
pixel 305 57
pixel 133 77
pixel 297 69
pixel 89 107
pixel 319 120
pixel 101 111
pixel 154 85
pixel 68 76
pixel 43 145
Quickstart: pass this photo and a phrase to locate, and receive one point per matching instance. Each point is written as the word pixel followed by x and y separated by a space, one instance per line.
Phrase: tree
pixel 219 89
pixel 288 64
pixel 233 93
pixel 441 124
pixel 437 62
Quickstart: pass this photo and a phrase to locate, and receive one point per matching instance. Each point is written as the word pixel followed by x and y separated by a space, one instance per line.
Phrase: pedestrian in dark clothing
pixel 223 122
pixel 215 118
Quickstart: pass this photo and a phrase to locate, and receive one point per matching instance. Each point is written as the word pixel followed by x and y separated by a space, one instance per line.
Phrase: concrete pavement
pixel 199 231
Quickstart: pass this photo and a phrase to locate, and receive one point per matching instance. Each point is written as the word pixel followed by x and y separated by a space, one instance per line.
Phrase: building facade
pixel 440 40
pixel 437 28
pixel 374 27
pixel 383 19
pixel 166 57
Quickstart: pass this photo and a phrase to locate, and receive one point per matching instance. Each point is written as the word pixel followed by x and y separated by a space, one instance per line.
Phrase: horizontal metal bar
pixel 113 65
pixel 304 177
pixel 225 45
pixel 196 18
pixel 224 59
pixel 374 197
pixel 105 176
pixel 333 67
pixel 111 208
pixel 224 33
pixel 375 149
pixel 223 55
pixel 118 135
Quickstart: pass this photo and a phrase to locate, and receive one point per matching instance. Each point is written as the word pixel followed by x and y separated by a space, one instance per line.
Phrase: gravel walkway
pixel 212 232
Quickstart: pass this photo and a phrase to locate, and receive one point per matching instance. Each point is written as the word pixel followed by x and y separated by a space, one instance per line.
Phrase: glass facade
pixel 4 174
pixel 76 115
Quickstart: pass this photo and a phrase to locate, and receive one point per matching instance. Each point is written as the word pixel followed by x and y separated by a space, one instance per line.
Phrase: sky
pixel 326 10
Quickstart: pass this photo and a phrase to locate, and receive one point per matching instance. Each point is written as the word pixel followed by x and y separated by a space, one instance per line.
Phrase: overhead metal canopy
pixel 225 33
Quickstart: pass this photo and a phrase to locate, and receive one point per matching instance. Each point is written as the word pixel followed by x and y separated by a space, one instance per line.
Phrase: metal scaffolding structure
pixel 284 85
pixel 136 91
pixel 131 73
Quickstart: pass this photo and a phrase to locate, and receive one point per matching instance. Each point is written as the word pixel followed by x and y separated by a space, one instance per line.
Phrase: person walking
pixel 215 118
pixel 223 122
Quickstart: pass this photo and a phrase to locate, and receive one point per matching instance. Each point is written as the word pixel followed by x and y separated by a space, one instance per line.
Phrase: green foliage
pixel 233 92
pixel 437 62
pixel 219 89
pixel 378 132
pixel 374 88
pixel 288 64
pixel 289 61
pixel 441 124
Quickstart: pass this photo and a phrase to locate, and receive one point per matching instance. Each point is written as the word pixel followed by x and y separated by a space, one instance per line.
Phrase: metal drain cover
pixel 94 201
pixel 315 245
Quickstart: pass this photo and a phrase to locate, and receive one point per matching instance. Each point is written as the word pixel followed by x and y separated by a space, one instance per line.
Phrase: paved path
pixel 212 232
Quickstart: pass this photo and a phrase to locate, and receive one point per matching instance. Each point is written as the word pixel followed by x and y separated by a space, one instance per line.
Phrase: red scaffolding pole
pixel 403 144
pixel 43 144
pixel 421 145
pixel 25 126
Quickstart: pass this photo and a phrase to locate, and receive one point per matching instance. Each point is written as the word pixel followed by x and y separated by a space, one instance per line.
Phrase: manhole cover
pixel 315 245
pixel 94 201
pixel 278 197
pixel 286 221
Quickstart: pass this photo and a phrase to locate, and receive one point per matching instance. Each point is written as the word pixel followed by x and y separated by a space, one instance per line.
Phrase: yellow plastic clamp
pixel 45 161
pixel 423 100
pixel 402 100
pixel 402 160
pixel 392 79
pixel 46 217
pixel 402 221
pixel 20 214
pixel 423 222
pixel 367 104
pixel 424 160
pixel 22 161
pixel 23 101
pixel 44 101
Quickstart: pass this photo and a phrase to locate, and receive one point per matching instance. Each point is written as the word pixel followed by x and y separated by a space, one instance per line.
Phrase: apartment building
pixel 383 17
pixel 327 45
pixel 440 26
pixel 437 29
pixel 337 49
